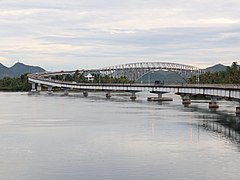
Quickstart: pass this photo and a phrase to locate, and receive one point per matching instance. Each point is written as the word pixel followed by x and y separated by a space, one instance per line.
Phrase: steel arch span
pixel 134 71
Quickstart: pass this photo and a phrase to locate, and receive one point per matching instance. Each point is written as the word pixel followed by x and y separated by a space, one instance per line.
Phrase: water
pixel 56 137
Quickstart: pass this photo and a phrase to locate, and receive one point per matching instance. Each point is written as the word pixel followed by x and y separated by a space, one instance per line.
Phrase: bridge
pixel 229 92
pixel 133 71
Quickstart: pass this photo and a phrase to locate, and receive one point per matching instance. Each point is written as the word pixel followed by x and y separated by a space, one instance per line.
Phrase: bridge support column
pixel 186 101
pixel 49 90
pixel 39 87
pixel 213 104
pixel 34 90
pixel 237 110
pixel 108 95
pixel 85 93
pixel 33 87
pixel 159 97
pixel 133 96
pixel 65 93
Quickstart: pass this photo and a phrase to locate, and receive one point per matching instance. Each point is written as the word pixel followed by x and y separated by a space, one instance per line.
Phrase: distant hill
pixel 169 77
pixel 3 70
pixel 216 68
pixel 18 69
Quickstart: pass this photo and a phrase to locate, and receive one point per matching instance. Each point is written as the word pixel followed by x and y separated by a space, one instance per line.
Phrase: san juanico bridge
pixel 134 72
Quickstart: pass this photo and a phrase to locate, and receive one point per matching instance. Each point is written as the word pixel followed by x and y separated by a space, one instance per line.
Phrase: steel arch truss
pixel 134 71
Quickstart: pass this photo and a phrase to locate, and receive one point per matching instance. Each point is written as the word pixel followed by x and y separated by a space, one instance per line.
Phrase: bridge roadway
pixel 228 92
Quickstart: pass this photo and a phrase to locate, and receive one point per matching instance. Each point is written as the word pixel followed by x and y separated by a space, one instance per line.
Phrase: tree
pixel 230 76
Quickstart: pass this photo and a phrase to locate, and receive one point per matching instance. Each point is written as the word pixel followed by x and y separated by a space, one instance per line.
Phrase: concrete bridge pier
pixel 36 88
pixel 85 93
pixel 39 87
pixel 159 97
pixel 66 92
pixel 50 92
pixel 133 96
pixel 213 104
pixel 108 95
pixel 33 87
pixel 186 101
pixel 238 109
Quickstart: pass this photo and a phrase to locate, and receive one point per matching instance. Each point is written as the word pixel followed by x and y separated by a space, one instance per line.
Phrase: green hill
pixel 18 69
pixel 167 77
pixel 216 68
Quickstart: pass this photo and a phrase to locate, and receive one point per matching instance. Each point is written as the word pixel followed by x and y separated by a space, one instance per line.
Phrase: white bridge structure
pixel 134 71
pixel 229 92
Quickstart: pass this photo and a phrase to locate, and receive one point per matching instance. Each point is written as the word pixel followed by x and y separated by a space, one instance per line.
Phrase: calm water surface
pixel 68 138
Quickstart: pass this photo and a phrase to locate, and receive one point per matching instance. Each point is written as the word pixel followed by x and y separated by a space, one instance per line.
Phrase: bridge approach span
pixel 224 91
pixel 229 92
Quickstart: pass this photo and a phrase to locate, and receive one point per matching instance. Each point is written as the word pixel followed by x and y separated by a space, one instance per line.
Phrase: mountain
pixel 169 77
pixel 3 70
pixel 18 69
pixel 216 68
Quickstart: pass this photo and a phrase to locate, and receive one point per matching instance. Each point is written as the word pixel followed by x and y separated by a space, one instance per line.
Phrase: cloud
pixel 87 33
pixel 2 59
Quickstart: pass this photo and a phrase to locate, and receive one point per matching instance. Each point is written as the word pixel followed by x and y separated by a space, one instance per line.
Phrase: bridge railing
pixel 213 86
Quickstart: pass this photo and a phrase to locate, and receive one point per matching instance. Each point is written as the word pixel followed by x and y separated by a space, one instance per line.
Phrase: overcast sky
pixel 79 34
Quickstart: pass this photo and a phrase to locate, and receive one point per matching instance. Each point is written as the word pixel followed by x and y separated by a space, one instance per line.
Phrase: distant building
pixel 89 77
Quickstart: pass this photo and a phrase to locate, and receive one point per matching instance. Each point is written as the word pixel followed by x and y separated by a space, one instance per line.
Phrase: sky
pixel 81 34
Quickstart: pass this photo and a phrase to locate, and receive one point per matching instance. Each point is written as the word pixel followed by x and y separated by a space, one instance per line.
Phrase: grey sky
pixel 71 34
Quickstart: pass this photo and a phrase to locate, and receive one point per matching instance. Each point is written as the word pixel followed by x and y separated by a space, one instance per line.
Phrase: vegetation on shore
pixel 15 84
pixel 21 83
pixel 80 78
pixel 230 76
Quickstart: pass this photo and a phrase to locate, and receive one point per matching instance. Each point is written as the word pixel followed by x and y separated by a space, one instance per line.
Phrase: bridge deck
pixel 225 91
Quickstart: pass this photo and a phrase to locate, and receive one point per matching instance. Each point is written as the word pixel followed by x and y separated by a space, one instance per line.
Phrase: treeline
pixel 22 84
pixel 80 78
pixel 230 76
pixel 15 84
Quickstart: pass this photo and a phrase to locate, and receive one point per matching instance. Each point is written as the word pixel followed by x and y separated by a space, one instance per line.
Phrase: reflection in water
pixel 53 137
pixel 221 128
pixel 213 109
pixel 191 134
pixel 227 125
pixel 153 127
